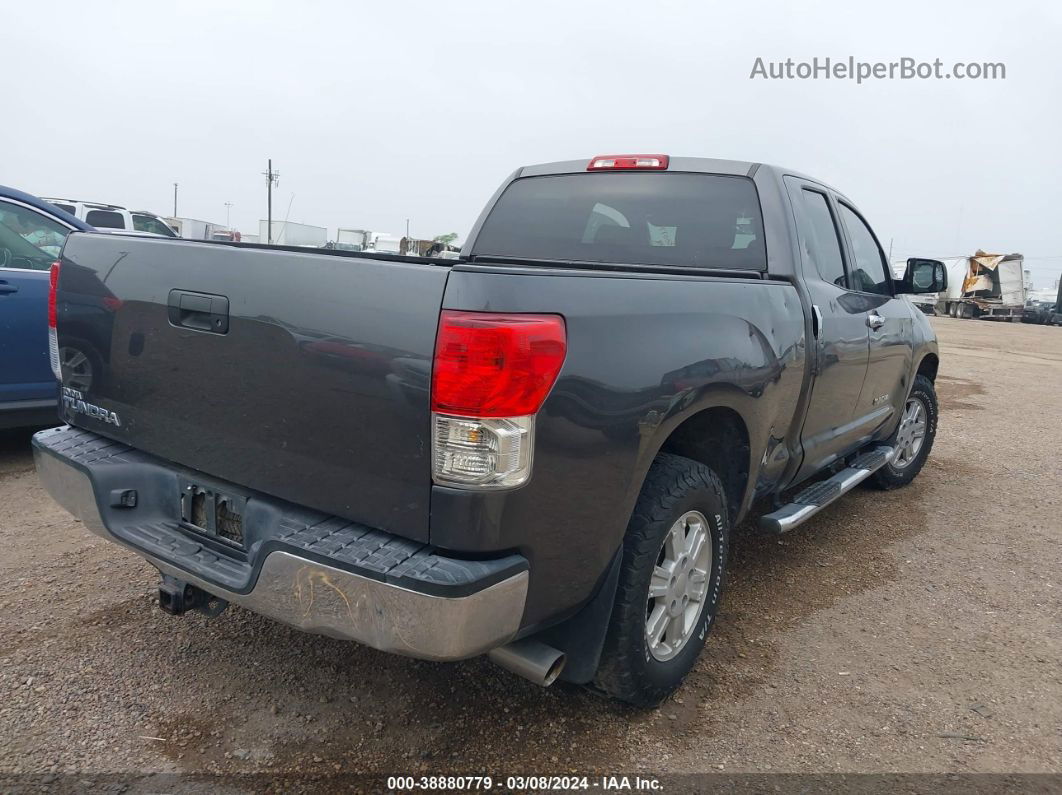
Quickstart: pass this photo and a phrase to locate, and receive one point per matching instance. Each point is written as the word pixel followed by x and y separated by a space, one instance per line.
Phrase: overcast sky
pixel 374 113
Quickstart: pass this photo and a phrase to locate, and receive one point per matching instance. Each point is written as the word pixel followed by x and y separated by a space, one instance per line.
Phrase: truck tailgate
pixel 301 375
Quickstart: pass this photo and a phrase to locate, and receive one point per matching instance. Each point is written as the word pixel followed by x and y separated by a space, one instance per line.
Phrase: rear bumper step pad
pixel 319 573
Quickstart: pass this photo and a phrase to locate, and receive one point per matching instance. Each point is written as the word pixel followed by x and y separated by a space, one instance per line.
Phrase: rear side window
pixel 663 218
pixel 148 223
pixel 822 245
pixel 66 208
pixel 105 219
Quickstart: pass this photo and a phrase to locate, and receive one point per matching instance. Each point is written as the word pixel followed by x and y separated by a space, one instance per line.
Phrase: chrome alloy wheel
pixel 678 586
pixel 911 434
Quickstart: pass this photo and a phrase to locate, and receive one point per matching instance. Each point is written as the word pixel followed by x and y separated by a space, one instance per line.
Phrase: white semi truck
pixel 988 286
pixel 193 228
pixel 353 239
pixel 365 240
pixel 288 233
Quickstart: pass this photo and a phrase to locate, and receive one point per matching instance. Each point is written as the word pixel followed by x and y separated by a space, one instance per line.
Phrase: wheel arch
pixel 718 437
pixel 928 366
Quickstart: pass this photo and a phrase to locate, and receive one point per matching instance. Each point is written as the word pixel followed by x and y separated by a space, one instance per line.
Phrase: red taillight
pixel 495 365
pixel 53 284
pixel 623 162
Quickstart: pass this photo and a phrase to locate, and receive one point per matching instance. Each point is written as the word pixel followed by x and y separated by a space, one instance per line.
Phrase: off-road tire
pixel 674 486
pixel 889 477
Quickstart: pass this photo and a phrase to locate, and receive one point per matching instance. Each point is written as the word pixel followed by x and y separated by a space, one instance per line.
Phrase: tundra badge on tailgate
pixel 76 402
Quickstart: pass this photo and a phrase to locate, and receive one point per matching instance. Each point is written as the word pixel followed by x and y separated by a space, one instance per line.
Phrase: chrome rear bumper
pixel 303 590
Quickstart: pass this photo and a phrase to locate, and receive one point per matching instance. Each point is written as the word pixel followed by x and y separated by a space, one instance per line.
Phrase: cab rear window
pixel 661 218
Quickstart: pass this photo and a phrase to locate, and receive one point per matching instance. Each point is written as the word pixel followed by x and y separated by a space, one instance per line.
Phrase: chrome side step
pixel 818 495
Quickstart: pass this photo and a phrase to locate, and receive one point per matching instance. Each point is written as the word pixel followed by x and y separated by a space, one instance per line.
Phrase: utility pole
pixel 174 199
pixel 407 227
pixel 228 209
pixel 272 178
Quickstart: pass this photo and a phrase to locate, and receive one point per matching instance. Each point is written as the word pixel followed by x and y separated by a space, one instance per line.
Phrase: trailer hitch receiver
pixel 177 597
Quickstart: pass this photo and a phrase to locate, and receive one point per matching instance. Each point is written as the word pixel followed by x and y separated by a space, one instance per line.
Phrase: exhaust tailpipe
pixel 530 659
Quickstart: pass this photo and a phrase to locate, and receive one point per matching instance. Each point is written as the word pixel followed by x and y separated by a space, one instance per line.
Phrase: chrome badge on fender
pixel 76 403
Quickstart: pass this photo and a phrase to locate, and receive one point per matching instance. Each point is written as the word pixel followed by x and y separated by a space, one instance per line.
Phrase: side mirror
pixel 923 276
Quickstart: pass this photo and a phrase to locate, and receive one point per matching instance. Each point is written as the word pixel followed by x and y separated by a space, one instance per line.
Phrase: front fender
pixel 924 342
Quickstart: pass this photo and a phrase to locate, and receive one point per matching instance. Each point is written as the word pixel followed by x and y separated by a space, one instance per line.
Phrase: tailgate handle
pixel 199 311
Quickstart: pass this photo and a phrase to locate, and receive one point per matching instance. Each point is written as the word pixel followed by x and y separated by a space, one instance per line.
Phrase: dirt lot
pixel 911 631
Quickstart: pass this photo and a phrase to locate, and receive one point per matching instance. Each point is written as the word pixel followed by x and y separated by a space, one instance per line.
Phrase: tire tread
pixel 669 481
pixel 888 478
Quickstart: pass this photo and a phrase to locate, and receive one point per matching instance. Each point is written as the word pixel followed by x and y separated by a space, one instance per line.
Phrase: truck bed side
pixel 646 353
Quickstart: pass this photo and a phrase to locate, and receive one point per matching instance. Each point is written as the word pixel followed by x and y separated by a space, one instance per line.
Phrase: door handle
pixel 874 320
pixel 7 289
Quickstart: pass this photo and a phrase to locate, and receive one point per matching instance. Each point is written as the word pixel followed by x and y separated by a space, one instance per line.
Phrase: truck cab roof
pixel 699 165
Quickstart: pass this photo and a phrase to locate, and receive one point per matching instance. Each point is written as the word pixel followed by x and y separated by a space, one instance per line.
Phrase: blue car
pixel 32 233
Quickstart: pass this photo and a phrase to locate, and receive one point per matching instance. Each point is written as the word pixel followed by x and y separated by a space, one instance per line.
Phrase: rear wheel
pixel 913 438
pixel 671 581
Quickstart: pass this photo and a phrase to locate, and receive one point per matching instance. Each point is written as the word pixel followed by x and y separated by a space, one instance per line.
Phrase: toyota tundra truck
pixel 537 451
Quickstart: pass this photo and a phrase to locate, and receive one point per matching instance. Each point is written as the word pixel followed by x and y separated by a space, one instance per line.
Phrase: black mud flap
pixel 582 637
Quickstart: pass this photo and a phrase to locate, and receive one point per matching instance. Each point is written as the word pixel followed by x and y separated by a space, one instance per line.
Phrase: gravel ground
pixel 911 631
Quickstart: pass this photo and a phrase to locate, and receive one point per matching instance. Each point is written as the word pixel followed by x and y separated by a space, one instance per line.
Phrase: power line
pixel 272 178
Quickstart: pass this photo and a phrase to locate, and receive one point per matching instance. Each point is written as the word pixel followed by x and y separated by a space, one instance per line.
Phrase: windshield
pixel 661 218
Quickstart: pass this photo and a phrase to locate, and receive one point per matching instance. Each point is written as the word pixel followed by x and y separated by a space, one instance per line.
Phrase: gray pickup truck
pixel 536 452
